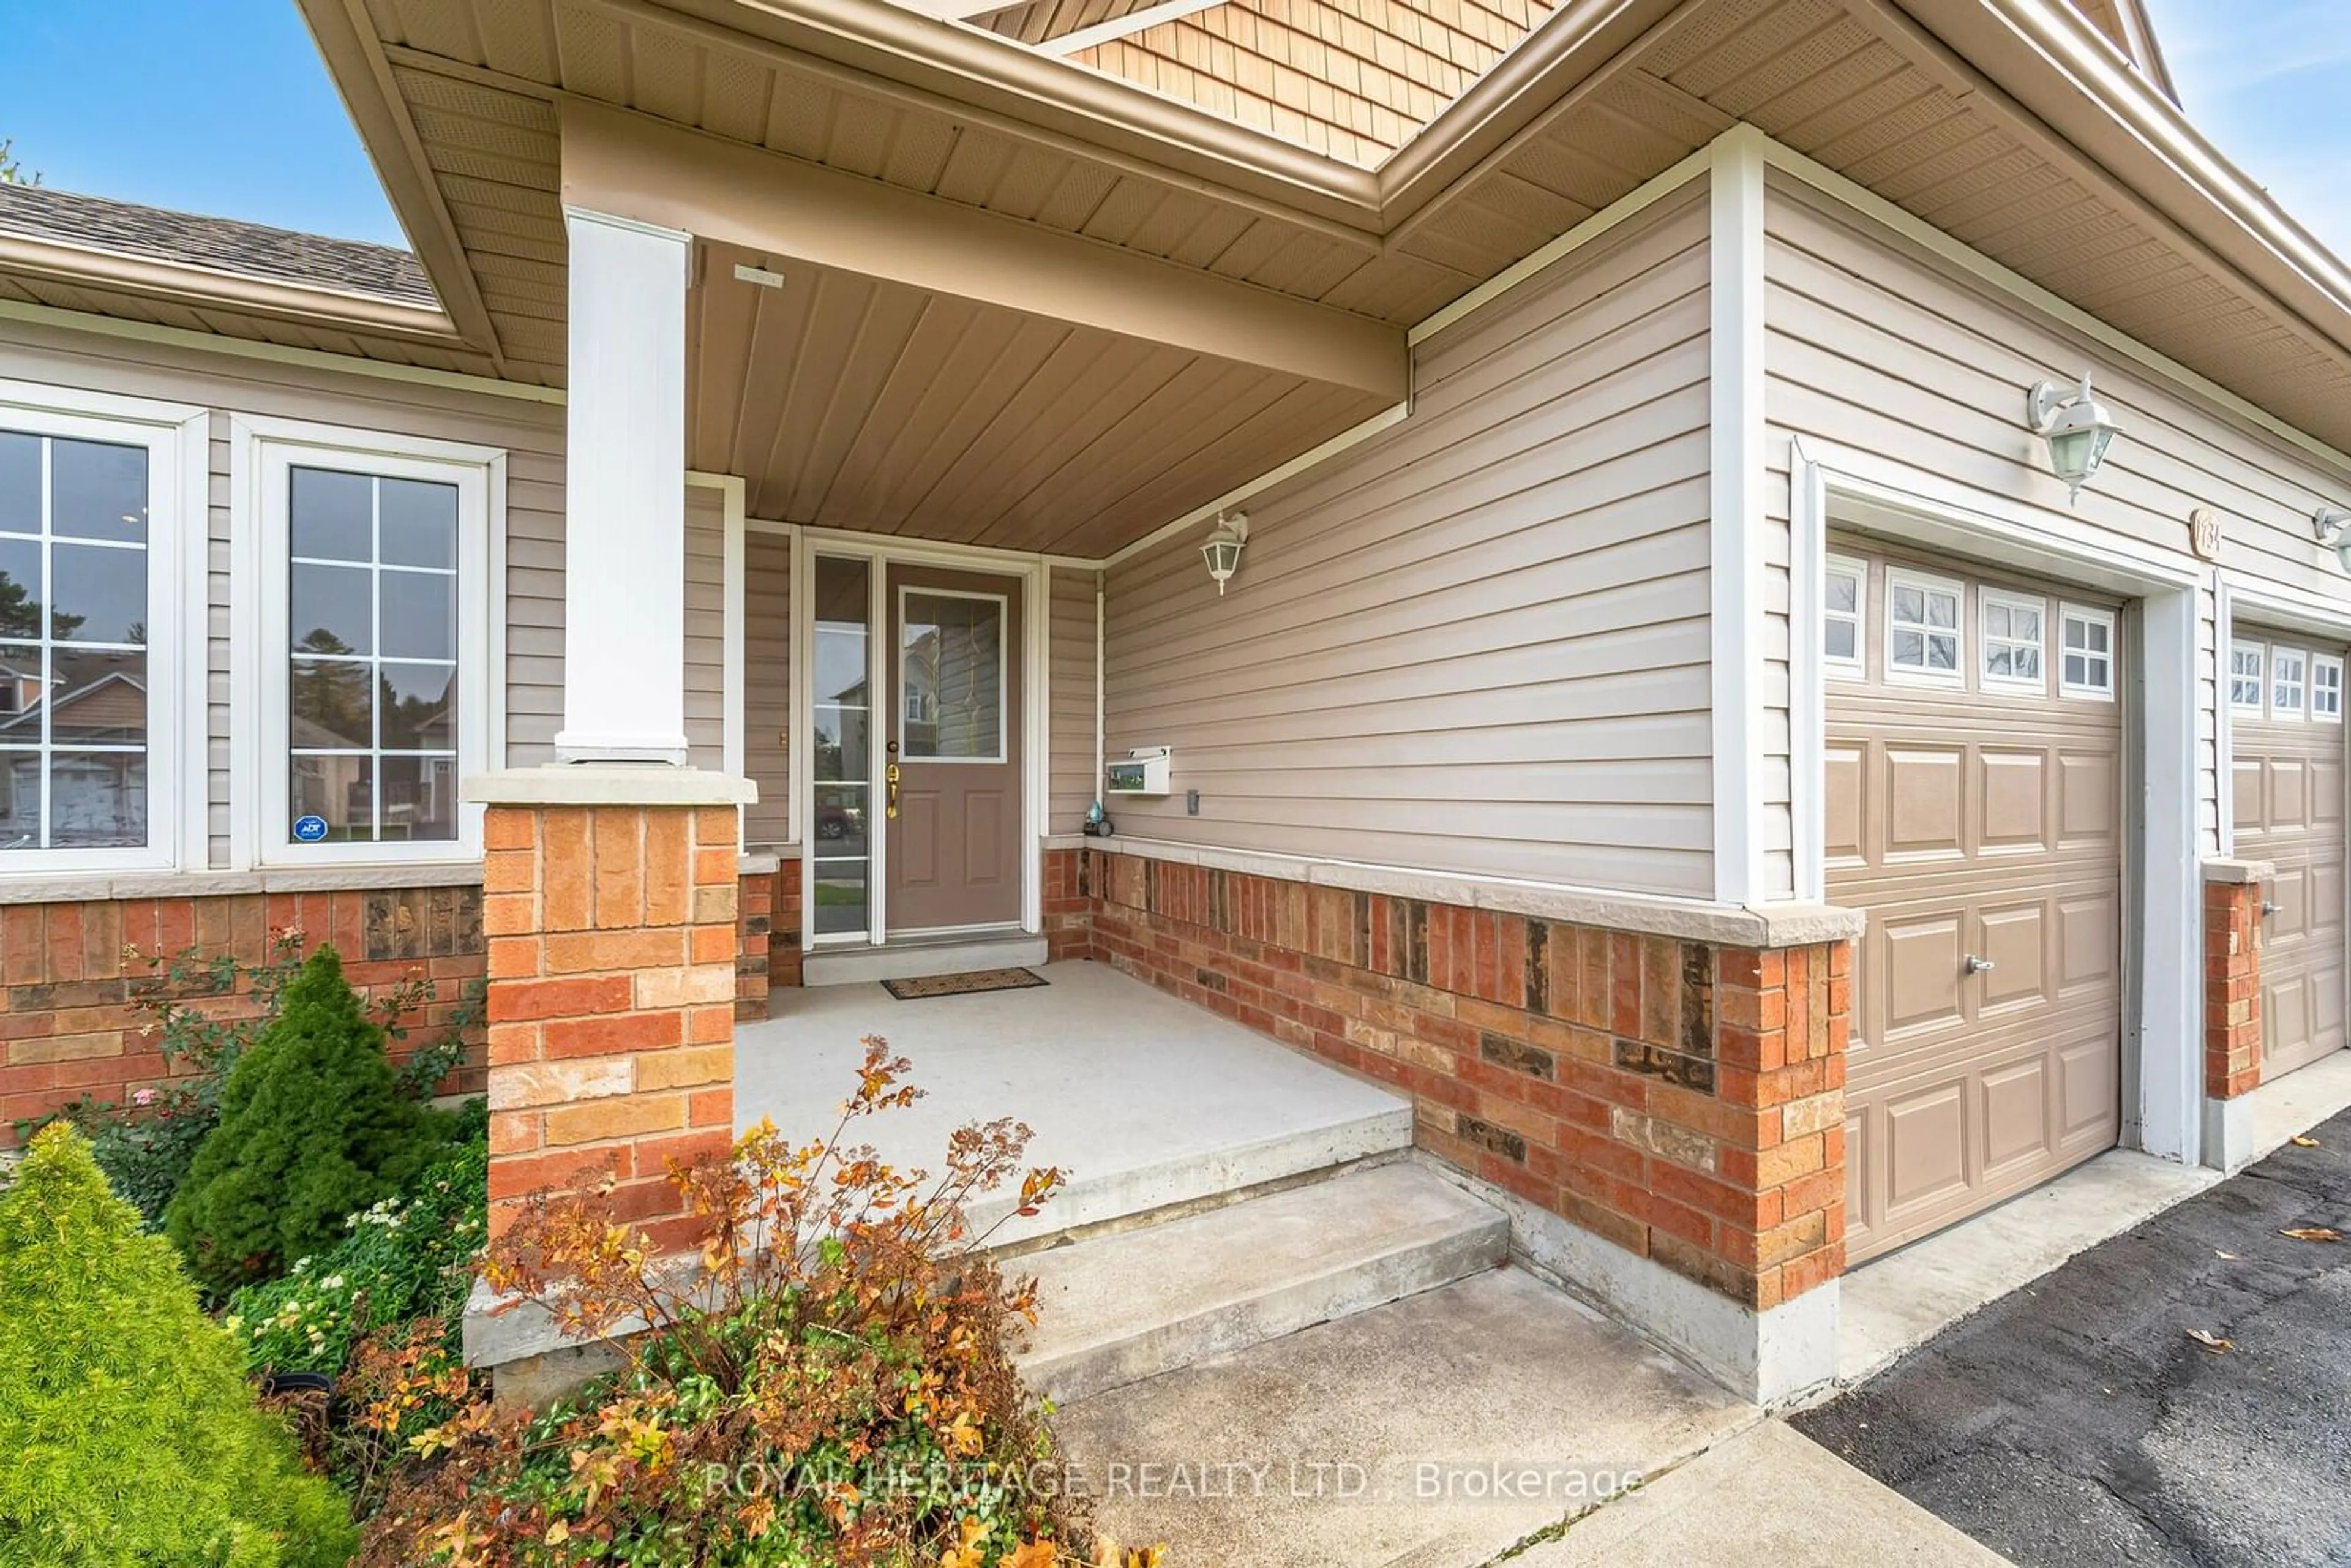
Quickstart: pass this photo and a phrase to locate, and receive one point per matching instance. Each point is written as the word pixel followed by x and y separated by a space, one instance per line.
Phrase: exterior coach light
pixel 2078 430
pixel 2332 527
pixel 1223 550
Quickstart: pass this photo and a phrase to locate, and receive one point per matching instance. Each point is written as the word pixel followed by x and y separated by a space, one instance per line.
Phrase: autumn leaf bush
pixel 128 1433
pixel 826 1383
pixel 313 1127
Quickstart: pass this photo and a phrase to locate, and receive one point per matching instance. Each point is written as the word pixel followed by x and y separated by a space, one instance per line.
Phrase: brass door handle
pixel 889 775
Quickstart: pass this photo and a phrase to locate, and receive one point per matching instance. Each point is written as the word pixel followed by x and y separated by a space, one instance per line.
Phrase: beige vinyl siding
pixel 1069 726
pixel 530 433
pixel 1479 642
pixel 1878 348
pixel 767 685
pixel 706 626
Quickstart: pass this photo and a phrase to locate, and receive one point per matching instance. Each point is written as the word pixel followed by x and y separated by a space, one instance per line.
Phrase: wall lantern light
pixel 1223 550
pixel 2332 527
pixel 2077 428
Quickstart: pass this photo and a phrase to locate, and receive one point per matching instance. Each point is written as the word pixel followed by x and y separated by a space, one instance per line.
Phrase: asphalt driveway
pixel 2076 1422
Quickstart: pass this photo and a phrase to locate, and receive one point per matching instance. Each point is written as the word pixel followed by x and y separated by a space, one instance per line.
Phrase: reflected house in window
pixel 91 794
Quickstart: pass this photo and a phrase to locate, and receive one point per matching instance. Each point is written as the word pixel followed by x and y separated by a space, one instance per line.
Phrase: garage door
pixel 2285 718
pixel 1975 749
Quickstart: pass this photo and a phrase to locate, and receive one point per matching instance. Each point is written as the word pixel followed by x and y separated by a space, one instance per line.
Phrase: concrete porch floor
pixel 1145 1101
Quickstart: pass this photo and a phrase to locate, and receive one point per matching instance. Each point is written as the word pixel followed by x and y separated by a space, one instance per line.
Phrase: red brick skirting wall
pixel 1681 1099
pixel 67 972
pixel 2232 988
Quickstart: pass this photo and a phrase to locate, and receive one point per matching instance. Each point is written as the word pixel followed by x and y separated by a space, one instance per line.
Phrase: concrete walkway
pixel 1768 1496
pixel 1492 1420
pixel 2077 1421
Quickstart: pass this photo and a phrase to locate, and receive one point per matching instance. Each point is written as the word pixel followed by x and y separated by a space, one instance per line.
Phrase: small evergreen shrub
pixel 203 1012
pixel 313 1128
pixel 407 1257
pixel 129 1433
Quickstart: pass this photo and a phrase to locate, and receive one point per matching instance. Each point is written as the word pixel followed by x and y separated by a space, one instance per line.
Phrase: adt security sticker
pixel 309 830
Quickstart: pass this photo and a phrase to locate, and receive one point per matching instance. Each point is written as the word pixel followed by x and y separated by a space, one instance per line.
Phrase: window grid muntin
pixel 1857 618
pixel 373 661
pixel 2327 688
pixel 2002 607
pixel 2085 667
pixel 47 749
pixel 2248 676
pixel 1924 627
pixel 2282 661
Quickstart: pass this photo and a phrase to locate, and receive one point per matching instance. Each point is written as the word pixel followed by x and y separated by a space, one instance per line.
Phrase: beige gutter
pixel 183 283
pixel 2050 61
pixel 1569 53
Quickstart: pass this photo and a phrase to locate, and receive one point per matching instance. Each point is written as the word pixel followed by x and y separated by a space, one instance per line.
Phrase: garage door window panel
pixel 2287 668
pixel 1923 640
pixel 2088 654
pixel 2012 631
pixel 2248 664
pixel 2327 688
pixel 1843 616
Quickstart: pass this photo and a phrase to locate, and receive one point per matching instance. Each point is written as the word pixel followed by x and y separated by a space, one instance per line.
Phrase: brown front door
pixel 1975 745
pixel 954 734
pixel 2285 718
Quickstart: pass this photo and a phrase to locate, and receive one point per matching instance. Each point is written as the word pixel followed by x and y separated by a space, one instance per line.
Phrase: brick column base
pixel 610 901
pixel 2232 976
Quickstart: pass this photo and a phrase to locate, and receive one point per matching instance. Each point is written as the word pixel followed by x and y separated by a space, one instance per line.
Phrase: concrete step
pixel 1118 1308
pixel 1441 1430
pixel 912 960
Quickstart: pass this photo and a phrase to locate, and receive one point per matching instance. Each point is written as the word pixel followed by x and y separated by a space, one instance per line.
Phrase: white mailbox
pixel 1145 772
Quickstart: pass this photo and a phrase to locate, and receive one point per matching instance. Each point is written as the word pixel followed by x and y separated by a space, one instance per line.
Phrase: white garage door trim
pixel 2163 1063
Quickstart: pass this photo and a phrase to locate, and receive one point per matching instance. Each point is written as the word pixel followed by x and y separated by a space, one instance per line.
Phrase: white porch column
pixel 624 493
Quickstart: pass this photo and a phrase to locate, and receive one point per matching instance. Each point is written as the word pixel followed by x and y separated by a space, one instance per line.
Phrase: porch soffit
pixel 1626 91
pixel 854 401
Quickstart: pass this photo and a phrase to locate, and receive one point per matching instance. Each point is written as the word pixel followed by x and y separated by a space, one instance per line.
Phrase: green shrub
pixel 313 1128
pixel 408 1256
pixel 203 1013
pixel 129 1432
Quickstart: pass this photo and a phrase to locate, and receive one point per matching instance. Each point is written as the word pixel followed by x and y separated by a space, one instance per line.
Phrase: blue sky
pixel 221 107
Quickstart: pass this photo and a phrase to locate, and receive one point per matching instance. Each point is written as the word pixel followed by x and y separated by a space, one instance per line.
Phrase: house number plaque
pixel 2204 533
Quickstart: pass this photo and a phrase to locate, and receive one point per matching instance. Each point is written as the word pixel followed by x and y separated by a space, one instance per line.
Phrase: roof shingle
pixel 224 244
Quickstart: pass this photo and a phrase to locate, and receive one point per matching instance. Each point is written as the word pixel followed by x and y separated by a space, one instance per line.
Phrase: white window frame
pixel 2332 663
pixel 2239 648
pixel 1986 599
pixel 265 452
pixel 1004 653
pixel 1857 569
pixel 176 439
pixel 2068 614
pixel 2280 653
pixel 1903 577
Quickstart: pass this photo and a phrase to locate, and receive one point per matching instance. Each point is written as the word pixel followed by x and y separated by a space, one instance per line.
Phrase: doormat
pixel 971 980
